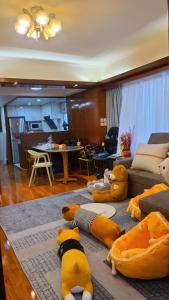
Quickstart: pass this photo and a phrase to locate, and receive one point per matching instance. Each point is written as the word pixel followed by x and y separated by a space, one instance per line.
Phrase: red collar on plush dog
pixel 69 245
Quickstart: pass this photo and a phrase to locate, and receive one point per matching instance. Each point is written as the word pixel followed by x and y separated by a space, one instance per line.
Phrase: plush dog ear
pixel 60 230
pixel 65 209
pixel 76 229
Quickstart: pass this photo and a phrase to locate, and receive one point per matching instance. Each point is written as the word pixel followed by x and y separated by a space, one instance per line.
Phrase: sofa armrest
pixel 125 161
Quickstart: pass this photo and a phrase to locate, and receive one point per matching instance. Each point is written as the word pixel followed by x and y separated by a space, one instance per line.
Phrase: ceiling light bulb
pixel 20 29
pixel 24 20
pixel 35 35
pixel 48 32
pixel 55 25
pixel 42 18
pixel 34 88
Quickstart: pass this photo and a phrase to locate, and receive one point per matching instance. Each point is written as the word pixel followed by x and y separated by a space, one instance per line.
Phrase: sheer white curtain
pixel 145 107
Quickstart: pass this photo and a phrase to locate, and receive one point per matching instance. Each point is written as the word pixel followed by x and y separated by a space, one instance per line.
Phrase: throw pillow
pixel 149 156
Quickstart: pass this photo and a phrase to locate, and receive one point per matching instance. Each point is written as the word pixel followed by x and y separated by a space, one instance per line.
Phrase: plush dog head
pixel 120 173
pixel 67 234
pixel 164 169
pixel 69 211
pixel 108 176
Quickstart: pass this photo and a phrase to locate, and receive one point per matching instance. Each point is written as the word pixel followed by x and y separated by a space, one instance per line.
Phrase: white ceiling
pixel 100 39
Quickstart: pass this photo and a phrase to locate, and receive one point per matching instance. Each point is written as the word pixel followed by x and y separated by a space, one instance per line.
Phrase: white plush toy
pixel 164 169
pixel 102 184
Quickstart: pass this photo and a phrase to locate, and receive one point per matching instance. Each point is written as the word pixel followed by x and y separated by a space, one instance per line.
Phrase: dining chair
pixel 41 160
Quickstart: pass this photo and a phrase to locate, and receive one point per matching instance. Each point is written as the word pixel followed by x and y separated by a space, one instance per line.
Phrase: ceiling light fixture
pixel 37 21
pixel 34 88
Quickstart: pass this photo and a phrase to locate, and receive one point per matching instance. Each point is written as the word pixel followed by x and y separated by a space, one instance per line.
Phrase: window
pixel 145 107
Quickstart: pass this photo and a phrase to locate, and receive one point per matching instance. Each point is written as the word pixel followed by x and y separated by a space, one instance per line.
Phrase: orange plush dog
pixel 104 229
pixel 118 189
pixel 75 273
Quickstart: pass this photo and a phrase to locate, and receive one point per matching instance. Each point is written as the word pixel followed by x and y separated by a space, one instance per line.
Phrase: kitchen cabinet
pixel 33 113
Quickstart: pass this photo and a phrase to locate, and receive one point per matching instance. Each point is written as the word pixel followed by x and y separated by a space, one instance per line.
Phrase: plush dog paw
pixel 113 269
pixel 69 297
pixel 86 296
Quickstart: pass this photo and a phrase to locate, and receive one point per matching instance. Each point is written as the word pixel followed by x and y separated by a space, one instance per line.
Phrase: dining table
pixel 64 152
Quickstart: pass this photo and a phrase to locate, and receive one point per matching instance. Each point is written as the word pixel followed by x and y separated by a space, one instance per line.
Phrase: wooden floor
pixel 14 189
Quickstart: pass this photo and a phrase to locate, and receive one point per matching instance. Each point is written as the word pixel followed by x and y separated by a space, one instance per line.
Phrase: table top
pixel 52 149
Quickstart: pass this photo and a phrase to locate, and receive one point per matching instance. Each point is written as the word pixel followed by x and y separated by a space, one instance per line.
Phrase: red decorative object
pixel 126 153
pixel 125 143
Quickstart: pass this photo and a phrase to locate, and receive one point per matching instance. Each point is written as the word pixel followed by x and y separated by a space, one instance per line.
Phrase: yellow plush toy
pixel 119 187
pixel 143 252
pixel 104 229
pixel 75 273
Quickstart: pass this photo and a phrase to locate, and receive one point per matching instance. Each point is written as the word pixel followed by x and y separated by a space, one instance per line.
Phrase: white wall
pixel 3 154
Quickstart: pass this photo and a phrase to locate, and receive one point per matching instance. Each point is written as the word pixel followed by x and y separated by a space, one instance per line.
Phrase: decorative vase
pixel 126 153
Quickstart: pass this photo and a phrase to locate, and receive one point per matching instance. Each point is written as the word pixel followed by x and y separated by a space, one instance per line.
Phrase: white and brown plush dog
pixel 101 184
pixel 75 273
pixel 164 169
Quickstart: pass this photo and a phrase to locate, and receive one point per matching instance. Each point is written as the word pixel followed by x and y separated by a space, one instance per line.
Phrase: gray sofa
pixel 140 180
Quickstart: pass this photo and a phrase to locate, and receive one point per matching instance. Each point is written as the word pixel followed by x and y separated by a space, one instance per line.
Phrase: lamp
pixel 37 21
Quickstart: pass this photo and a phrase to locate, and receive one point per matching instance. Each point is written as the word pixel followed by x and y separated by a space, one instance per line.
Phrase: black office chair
pixel 111 140
pixel 102 160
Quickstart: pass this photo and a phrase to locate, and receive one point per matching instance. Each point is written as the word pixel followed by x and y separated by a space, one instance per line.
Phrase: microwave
pixel 35 126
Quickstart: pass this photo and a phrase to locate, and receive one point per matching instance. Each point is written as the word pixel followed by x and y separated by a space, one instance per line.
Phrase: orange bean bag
pixel 143 252
pixel 133 206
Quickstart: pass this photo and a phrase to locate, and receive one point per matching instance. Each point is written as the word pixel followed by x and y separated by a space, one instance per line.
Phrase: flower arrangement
pixel 125 142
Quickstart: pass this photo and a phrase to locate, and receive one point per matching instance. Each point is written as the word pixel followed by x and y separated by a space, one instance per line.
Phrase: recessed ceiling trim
pixel 45 83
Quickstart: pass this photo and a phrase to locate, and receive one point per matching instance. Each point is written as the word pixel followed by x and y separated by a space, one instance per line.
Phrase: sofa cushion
pixel 159 138
pixel 149 156
pixel 157 202
pixel 140 180
pixel 146 178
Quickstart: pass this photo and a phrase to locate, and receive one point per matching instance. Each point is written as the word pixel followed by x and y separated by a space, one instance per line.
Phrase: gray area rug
pixel 31 228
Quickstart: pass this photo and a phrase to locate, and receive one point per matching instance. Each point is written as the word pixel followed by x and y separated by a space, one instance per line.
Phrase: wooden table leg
pixel 65 169
pixel 65 166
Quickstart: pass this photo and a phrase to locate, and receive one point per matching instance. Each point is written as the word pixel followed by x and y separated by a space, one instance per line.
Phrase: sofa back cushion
pixel 149 156
pixel 159 138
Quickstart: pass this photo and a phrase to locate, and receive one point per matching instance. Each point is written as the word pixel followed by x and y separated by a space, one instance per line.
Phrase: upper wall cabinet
pixel 32 113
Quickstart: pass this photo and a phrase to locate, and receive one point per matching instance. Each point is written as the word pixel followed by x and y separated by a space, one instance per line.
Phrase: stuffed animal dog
pixel 104 229
pixel 75 273
pixel 164 169
pixel 102 184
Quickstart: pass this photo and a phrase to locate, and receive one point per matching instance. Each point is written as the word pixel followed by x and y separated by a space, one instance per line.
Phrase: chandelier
pixel 35 22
